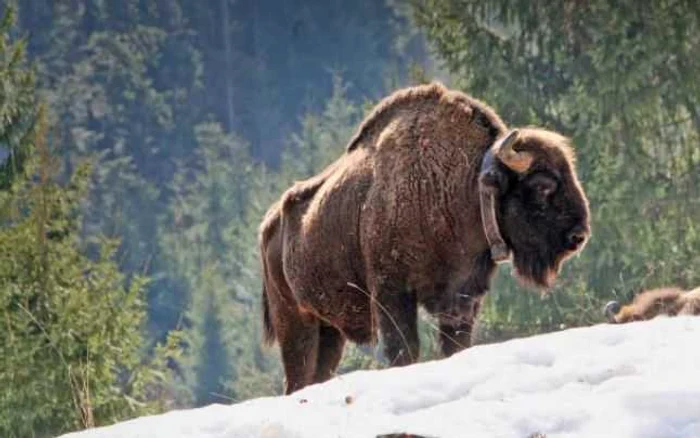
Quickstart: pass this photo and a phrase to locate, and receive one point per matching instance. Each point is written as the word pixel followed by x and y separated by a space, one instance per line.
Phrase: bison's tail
pixel 268 331
pixel 267 227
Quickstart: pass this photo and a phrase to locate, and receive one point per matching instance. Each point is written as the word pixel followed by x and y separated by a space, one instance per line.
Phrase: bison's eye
pixel 542 186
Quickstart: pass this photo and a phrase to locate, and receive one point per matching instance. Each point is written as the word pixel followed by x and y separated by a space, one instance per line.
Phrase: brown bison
pixel 430 193
pixel 651 303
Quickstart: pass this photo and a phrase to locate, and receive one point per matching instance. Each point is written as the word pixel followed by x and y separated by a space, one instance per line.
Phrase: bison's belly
pixel 324 284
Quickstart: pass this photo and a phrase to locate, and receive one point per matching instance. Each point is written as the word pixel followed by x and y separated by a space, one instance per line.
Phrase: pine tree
pixel 211 246
pixel 17 103
pixel 72 351
pixel 72 348
pixel 122 80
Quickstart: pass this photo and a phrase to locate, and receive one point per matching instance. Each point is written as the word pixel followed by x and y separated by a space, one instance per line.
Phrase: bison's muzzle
pixel 577 237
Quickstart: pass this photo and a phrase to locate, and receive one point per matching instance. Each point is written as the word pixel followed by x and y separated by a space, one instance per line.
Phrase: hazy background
pixel 129 277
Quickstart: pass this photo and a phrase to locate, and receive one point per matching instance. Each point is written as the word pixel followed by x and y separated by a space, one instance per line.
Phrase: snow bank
pixel 635 380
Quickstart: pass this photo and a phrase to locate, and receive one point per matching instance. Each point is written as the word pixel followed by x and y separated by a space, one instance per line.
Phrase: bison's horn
pixel 612 309
pixel 516 161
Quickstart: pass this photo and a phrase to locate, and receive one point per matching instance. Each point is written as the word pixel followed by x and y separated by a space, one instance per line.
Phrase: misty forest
pixel 142 141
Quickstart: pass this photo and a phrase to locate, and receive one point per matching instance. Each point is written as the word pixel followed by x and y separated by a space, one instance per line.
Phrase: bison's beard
pixel 539 268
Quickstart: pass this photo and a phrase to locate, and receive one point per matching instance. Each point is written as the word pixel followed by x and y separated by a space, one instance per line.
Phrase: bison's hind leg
pixel 311 353
pixel 330 351
pixel 299 341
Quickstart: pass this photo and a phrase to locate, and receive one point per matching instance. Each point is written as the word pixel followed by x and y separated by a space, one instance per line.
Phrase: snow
pixel 635 380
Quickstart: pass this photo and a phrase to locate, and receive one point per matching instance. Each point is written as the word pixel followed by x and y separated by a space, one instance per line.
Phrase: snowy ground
pixel 634 380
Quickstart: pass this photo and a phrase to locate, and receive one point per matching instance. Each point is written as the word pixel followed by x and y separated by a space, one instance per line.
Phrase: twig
pixel 221 396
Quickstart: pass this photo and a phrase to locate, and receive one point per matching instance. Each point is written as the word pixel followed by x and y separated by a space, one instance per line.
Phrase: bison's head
pixel 533 205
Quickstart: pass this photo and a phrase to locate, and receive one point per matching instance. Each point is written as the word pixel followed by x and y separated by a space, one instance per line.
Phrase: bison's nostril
pixel 576 237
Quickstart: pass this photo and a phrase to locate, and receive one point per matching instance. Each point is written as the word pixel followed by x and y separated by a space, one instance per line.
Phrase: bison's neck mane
pixel 434 92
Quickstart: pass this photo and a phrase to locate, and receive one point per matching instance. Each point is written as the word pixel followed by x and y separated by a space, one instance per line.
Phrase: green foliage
pixel 323 136
pixel 17 102
pixel 120 83
pixel 614 77
pixel 211 247
pixel 267 62
pixel 72 348
pixel 72 345
pixel 117 103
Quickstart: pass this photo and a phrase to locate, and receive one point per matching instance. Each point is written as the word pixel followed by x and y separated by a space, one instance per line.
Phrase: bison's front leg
pixel 456 332
pixel 397 312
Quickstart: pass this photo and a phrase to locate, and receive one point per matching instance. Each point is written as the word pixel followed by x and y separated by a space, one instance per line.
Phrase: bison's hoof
pixel 500 253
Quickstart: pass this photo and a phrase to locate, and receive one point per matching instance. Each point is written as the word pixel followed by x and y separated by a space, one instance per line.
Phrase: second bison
pixel 429 195
pixel 655 302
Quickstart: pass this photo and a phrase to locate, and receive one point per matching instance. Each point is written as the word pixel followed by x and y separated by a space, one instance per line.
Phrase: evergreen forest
pixel 142 141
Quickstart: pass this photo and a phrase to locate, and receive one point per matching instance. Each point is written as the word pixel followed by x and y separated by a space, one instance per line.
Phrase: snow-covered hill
pixel 635 380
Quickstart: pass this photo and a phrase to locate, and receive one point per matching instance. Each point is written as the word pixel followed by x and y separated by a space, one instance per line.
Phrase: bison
pixel 655 302
pixel 431 192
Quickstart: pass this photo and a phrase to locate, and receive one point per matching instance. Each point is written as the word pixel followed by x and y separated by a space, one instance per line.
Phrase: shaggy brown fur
pixel 395 222
pixel 655 302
